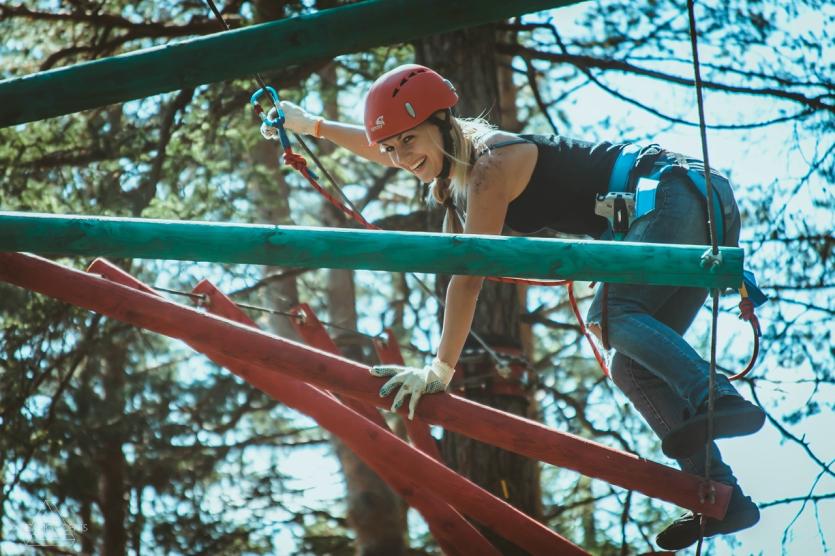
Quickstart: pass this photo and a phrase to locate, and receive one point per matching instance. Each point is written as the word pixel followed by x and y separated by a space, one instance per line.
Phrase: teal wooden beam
pixel 242 52
pixel 293 246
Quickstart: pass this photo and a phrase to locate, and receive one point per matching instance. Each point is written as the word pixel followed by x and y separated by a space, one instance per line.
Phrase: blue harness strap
pixel 622 170
pixel 621 180
pixel 749 282
pixel 697 178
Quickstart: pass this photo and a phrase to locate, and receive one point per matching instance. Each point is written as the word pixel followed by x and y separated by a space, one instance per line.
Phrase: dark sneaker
pixel 732 416
pixel 684 531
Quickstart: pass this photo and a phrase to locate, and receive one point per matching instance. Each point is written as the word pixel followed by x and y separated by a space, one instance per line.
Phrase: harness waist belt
pixel 621 178
pixel 622 170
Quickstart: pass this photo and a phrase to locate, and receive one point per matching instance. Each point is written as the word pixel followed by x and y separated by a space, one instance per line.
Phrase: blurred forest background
pixel 147 448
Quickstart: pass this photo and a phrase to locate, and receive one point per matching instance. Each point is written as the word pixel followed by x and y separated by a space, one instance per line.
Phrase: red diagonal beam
pixel 337 374
pixel 310 329
pixel 453 533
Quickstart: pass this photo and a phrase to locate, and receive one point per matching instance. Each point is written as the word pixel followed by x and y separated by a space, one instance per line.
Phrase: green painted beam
pixel 242 52
pixel 293 246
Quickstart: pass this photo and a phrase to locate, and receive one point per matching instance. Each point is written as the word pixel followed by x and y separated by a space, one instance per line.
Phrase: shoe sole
pixel 691 437
pixel 688 533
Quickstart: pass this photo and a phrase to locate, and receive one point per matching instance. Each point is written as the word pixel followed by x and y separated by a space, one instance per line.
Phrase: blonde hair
pixel 468 139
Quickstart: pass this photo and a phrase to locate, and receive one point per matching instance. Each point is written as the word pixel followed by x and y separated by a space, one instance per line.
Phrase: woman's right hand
pixel 297 120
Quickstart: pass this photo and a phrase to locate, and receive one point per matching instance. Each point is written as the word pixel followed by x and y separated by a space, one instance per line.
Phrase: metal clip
pixel 278 121
pixel 618 208
pixel 711 261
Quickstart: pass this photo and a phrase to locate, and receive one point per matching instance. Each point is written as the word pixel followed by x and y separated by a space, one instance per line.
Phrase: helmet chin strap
pixel 445 126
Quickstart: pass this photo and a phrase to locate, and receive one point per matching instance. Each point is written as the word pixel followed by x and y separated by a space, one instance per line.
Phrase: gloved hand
pixel 297 120
pixel 431 379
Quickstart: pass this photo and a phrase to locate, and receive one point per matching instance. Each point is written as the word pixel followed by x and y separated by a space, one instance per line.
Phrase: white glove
pixel 431 379
pixel 297 120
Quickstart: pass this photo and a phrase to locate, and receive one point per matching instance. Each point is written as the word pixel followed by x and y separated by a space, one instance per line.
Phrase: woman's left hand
pixel 413 381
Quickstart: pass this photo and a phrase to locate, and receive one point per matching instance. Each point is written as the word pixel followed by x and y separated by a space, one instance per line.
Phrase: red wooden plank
pixel 439 515
pixel 338 374
pixel 455 534
pixel 308 326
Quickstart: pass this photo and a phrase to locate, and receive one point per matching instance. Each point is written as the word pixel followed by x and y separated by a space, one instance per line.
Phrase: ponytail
pixel 442 193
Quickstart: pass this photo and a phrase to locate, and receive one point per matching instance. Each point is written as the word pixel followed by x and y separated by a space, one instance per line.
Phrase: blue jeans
pixel 661 374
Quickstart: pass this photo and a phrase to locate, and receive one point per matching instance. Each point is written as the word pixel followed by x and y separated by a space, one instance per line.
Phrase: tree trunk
pixel 467 58
pixel 375 512
pixel 87 546
pixel 111 458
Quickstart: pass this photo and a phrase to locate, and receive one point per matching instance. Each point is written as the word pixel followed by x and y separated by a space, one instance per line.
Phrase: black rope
pixel 199 297
pixel 202 299
pixel 714 241
pixel 290 315
pixel 709 494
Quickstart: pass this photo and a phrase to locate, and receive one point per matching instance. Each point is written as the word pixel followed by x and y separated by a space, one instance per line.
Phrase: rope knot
pixel 295 160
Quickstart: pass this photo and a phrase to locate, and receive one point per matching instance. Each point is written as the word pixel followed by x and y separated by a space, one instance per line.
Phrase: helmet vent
pixel 406 80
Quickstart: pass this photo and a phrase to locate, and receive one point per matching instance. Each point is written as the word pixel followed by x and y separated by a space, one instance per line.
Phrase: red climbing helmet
pixel 404 97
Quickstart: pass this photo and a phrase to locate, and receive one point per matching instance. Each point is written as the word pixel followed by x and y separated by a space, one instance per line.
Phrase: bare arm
pixel 487 200
pixel 461 297
pixel 349 136
pixel 352 137
pixel 492 183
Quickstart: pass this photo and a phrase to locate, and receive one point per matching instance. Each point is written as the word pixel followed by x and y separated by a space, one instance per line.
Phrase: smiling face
pixel 417 150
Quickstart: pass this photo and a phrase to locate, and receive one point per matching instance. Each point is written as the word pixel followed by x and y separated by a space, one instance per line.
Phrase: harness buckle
pixel 618 208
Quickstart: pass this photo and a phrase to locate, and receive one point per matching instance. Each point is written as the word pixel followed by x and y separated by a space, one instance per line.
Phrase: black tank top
pixel 561 192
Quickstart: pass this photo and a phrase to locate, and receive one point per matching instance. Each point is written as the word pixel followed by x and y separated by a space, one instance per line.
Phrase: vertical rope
pixel 711 222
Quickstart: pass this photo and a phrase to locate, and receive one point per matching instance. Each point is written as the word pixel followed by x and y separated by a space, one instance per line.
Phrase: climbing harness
pixel 621 208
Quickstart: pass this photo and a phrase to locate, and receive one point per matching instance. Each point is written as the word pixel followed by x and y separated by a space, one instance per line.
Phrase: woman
pixel 530 182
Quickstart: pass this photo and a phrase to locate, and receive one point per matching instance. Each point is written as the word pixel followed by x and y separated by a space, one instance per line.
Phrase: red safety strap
pixel 746 308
